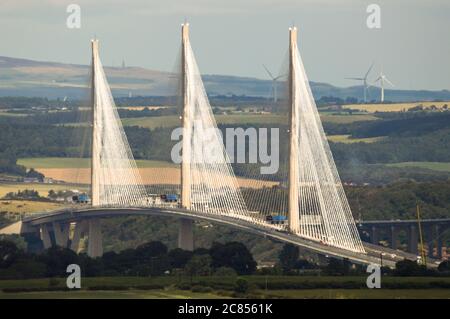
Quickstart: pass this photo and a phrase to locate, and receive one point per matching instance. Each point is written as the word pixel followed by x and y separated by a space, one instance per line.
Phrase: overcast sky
pixel 235 37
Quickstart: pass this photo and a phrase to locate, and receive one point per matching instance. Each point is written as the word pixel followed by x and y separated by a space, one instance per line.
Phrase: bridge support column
pixel 80 228
pixel 374 235
pixel 412 239
pixel 95 246
pixel 61 231
pixel 45 236
pixel 394 234
pixel 186 234
pixel 439 242
pixel 429 241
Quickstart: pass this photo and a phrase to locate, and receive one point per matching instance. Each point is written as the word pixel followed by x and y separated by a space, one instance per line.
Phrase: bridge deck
pixel 373 252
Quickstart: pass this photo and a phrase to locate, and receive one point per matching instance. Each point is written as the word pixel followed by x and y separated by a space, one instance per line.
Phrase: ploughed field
pixel 77 171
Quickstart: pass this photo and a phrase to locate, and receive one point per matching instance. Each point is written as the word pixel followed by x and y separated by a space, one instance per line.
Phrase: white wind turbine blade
pixel 390 83
pixel 269 73
pixel 368 71
pixel 280 76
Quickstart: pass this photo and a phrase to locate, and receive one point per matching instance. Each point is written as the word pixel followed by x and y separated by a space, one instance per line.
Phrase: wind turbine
pixel 274 83
pixel 364 80
pixel 382 78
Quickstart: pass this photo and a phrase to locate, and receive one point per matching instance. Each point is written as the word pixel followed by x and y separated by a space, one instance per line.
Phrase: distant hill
pixel 22 77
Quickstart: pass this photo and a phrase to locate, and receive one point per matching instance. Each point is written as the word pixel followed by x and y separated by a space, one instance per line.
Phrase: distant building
pixel 31 180
pixel 48 180
pixel 265 264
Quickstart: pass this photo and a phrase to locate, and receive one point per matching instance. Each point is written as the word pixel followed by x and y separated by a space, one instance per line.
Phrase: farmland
pixel 39 187
pixel 73 162
pixel 77 171
pixel 26 206
pixel 260 287
pixel 394 107
pixel 347 139
pixel 436 166
pixel 236 119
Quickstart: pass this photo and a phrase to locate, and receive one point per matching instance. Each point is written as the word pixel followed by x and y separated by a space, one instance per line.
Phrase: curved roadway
pixel 374 254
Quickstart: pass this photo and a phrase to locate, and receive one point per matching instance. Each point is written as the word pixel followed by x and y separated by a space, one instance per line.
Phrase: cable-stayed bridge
pixel 309 208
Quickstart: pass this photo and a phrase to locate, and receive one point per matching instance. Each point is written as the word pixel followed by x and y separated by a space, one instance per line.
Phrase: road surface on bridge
pixel 374 254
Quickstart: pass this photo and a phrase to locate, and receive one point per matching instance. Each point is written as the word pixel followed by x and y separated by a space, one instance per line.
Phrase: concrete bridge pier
pixel 438 241
pixel 186 234
pixel 374 235
pixel 95 242
pixel 45 236
pixel 61 231
pixel 429 241
pixel 81 228
pixel 412 239
pixel 394 235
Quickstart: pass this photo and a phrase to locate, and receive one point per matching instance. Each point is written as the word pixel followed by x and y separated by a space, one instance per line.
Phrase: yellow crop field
pixel 348 140
pixel 27 206
pixel 395 107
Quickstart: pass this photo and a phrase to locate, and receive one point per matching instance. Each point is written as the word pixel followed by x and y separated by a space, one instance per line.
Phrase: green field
pixel 436 166
pixel 251 119
pixel 153 122
pixel 121 294
pixel 347 139
pixel 283 294
pixel 361 294
pixel 260 287
pixel 72 162
pixel 27 206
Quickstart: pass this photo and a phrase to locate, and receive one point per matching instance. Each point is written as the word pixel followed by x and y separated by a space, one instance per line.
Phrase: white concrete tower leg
pixel 293 174
pixel 185 232
pixel 95 156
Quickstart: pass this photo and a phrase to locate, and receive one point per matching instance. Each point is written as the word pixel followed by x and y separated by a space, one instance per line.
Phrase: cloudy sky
pixel 236 37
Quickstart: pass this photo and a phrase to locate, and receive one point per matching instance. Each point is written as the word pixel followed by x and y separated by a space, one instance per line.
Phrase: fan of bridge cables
pixel 115 177
pixel 324 212
pixel 213 187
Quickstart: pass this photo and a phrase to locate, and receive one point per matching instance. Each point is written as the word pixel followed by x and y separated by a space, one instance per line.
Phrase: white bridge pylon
pixel 317 205
pixel 208 183
pixel 115 179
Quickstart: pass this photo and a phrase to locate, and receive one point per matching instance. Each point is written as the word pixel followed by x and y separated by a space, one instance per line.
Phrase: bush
pixel 184 286
pixel 201 289
pixel 444 266
pixel 409 268
pixel 241 286
pixel 225 272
